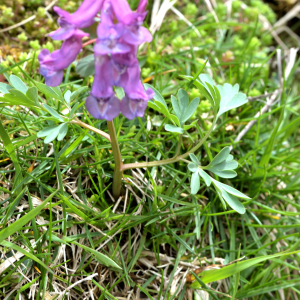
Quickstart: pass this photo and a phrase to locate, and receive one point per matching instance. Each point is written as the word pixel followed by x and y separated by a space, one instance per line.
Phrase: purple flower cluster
pixel 119 35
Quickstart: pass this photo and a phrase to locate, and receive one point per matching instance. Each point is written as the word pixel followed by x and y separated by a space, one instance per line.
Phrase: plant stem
pixel 117 179
pixel 169 160
pixel 179 145
pixel 100 132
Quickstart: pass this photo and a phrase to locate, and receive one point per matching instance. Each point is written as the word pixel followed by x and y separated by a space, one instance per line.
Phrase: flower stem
pixel 91 128
pixel 118 173
pixel 169 160
pixel 179 145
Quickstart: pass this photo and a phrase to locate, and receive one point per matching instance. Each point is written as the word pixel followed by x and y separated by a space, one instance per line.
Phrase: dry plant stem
pixel 169 160
pixel 118 172
pixel 91 128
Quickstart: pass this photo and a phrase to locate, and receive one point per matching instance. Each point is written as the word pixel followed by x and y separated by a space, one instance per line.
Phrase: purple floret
pixel 120 32
pixel 52 65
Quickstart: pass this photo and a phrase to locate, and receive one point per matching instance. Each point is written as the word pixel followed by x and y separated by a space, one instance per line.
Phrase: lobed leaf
pixel 173 128
pixel 195 183
pixel 18 84
pixel 193 167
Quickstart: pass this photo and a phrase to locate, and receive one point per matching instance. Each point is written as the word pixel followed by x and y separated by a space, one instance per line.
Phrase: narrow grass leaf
pixel 17 225
pixel 11 152
pixel 214 275
pixel 100 257
pixel 26 253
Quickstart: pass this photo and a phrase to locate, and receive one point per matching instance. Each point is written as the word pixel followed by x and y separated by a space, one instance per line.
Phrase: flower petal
pixel 100 108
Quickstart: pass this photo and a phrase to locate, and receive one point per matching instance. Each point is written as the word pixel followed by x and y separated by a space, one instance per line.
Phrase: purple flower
pixel 102 103
pixel 120 32
pixel 136 99
pixel 104 77
pixel 134 33
pixel 132 108
pixel 52 65
pixel 82 18
pixel 110 34
pixel 132 85
pixel 103 108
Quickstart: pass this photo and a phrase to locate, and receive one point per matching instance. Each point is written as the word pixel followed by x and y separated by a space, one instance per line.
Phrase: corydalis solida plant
pixel 115 55
pixel 119 35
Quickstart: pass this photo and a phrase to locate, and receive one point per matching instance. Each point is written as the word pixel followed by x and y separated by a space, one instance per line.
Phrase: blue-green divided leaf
pixel 77 93
pixel 204 91
pixel 46 131
pixel 18 84
pixel 173 128
pixel 207 88
pixel 23 251
pixel 230 97
pixel 67 96
pixel 190 109
pixel 153 105
pixel 157 95
pixel 233 202
pixel 4 88
pixel 32 94
pixel 174 119
pixel 161 108
pixel 224 168
pixel 86 66
pixel 195 183
pixel 183 100
pixel 205 176
pixel 223 173
pixel 62 132
pixel 53 134
pixel 193 124
pixel 205 78
pixel 48 91
pixel 193 167
pixel 229 165
pixel 230 190
pixel 52 112
pixel 220 157
pixel 194 159
pixel 15 97
pixel 175 106
pixel 57 90
pixel 74 108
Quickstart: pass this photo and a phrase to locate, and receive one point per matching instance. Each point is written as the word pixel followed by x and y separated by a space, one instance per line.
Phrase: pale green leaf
pixel 193 167
pixel 18 84
pixel 194 158
pixel 157 95
pixel 175 106
pixel 195 183
pixel 173 128
pixel 233 202
pixel 205 177
pixel 86 66
pixel 190 109
pixel 46 131
pixel 52 112
pixel 62 132
pixel 220 157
